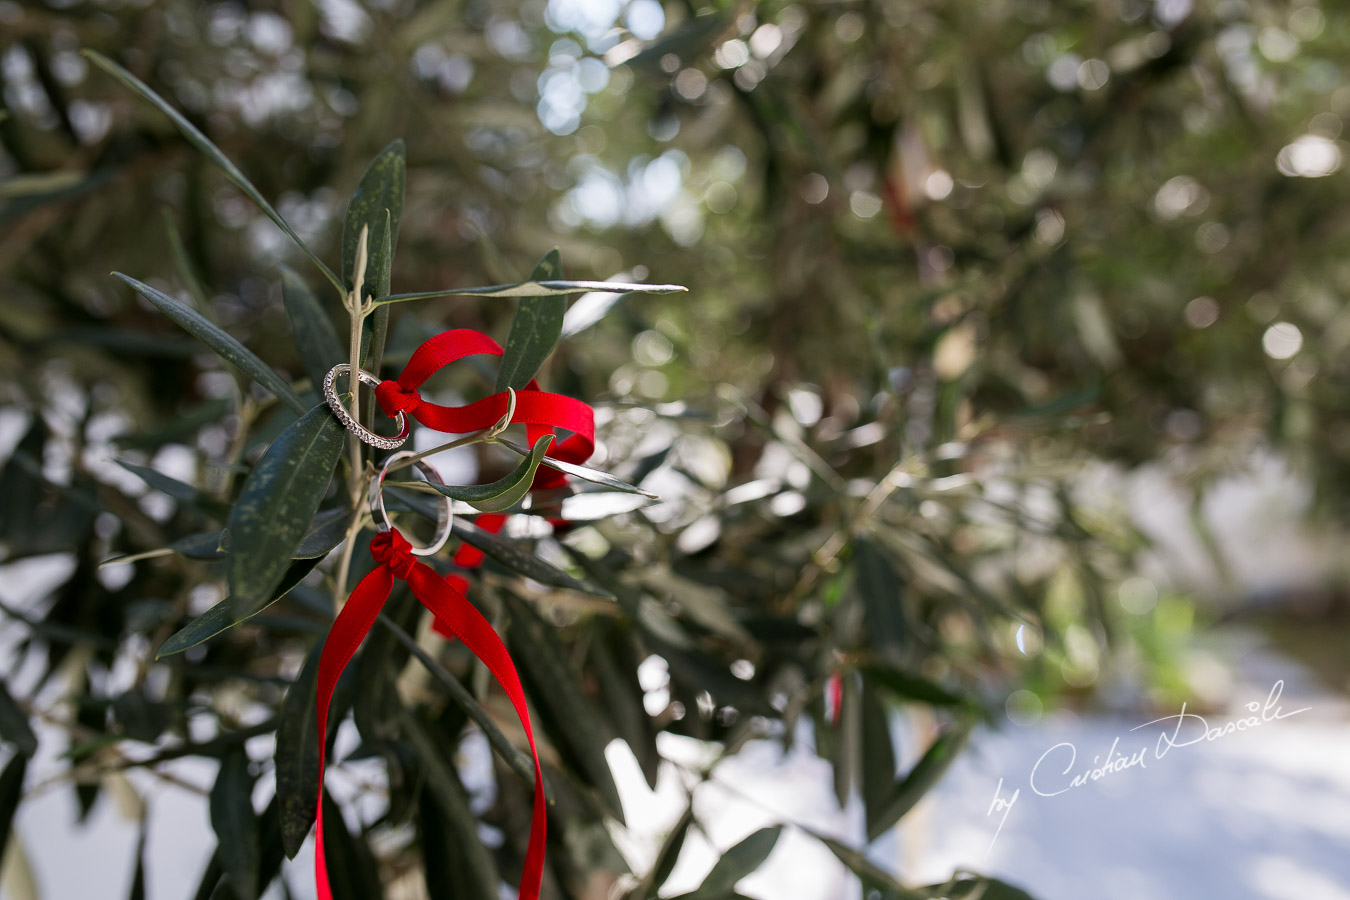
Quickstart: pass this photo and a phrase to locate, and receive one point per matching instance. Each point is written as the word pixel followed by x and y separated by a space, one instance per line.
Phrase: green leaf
pixel 539 289
pixel 277 502
pixel 374 335
pixel 881 589
pixel 505 551
pixel 469 866
pixel 11 792
pixel 14 725
pixel 352 870
pixel 594 476
pixel 926 772
pixel 878 754
pixel 236 824
pixel 138 877
pixel 315 338
pixel 326 531
pixel 569 716
pixel 225 346
pixel 736 863
pixel 907 686
pixel 690 40
pixel 519 762
pixel 535 329
pixel 382 188
pixel 297 755
pixel 615 659
pixel 503 493
pixel 228 613
pixel 667 856
pixel 978 888
pixel 178 490
pixel 872 876
pixel 210 151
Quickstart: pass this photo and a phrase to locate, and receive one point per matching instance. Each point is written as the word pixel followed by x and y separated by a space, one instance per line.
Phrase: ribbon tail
pixel 349 629
pixel 455 615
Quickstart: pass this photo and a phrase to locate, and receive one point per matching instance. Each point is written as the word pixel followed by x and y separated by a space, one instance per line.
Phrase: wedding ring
pixel 355 427
pixel 444 513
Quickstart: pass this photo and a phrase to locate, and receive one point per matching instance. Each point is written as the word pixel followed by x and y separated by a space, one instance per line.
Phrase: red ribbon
pixel 540 411
pixel 454 615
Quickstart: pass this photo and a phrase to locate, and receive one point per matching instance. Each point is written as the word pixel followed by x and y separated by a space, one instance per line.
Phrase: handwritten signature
pixel 1049 779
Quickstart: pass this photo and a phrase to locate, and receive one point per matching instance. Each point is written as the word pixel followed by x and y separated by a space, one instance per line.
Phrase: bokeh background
pixel 1013 360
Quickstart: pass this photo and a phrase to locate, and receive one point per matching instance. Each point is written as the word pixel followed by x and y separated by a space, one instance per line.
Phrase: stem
pixel 357 312
pixel 476 438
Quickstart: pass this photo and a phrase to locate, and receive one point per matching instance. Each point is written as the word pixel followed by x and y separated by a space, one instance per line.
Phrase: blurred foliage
pixel 953 267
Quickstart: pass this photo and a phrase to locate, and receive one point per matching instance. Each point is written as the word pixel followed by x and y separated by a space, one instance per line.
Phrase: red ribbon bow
pixel 455 616
pixel 540 411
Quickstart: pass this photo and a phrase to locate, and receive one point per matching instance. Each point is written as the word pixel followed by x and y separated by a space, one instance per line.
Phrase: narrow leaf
pixel 381 189
pixel 228 613
pixel 736 863
pixel 276 504
pixel 297 755
pixel 236 824
pixel 474 872
pixel 503 493
pixel 225 346
pixel 569 716
pixel 516 759
pixel 352 870
pixel 977 888
pixel 881 589
pixel 908 686
pixel 585 473
pixel 315 338
pixel 872 876
pixel 11 792
pixel 878 754
pixel 926 772
pixel 539 289
pixel 667 856
pixel 14 725
pixel 210 151
pixel 616 663
pixel 535 329
pixel 505 551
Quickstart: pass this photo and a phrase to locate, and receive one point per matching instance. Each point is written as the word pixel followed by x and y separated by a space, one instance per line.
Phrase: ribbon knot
pixel 389 548
pixel 394 398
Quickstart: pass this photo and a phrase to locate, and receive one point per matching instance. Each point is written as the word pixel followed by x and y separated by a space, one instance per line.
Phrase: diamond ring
pixel 355 427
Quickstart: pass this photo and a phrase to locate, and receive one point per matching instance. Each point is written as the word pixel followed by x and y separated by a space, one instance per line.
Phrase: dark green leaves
pixel 977 888
pixel 225 346
pixel 276 504
pixel 908 686
pixel 229 612
pixel 535 329
pixel 352 870
pixel 471 870
pixel 594 476
pixel 313 332
pixel 11 791
pixel 297 755
pixel 881 590
pixel 735 864
pixel 503 493
pixel 569 716
pixel 235 824
pixel 380 191
pixel 14 726
pixel 204 146
pixel 926 772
